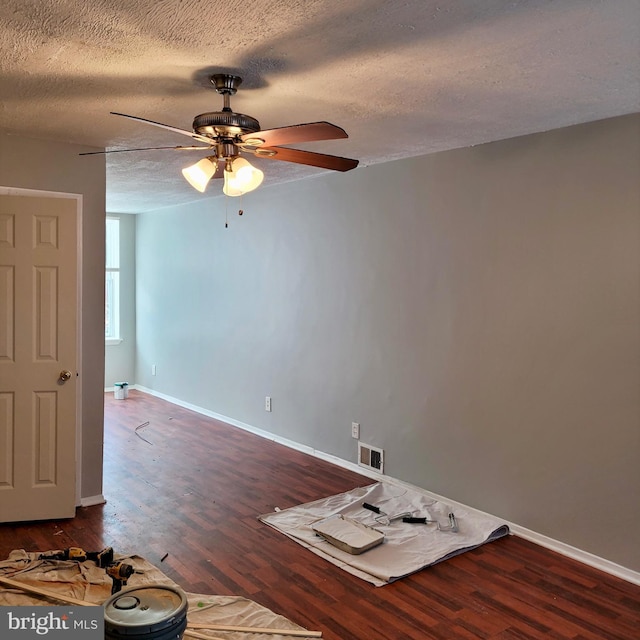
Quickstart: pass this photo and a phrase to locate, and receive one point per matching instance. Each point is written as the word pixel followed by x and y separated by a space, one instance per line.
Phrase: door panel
pixel 38 312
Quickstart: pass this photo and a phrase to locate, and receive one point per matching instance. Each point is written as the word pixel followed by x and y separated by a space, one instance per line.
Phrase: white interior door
pixel 38 359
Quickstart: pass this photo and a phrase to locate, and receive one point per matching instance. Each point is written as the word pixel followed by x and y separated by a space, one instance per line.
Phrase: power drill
pixel 102 558
pixel 119 572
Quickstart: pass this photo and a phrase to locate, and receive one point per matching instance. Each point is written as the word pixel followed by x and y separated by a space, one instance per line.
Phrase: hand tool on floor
pixel 385 518
pixel 102 558
pixel 119 572
pixel 417 520
pixel 452 527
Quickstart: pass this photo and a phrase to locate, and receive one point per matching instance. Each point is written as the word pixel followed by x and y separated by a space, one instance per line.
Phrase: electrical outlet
pixel 153 369
pixel 355 430
pixel 267 403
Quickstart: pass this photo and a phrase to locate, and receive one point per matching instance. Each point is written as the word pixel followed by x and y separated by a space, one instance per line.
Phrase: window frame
pixel 114 254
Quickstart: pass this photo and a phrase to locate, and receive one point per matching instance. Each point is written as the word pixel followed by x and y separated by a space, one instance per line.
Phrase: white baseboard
pixel 577 554
pixel 91 501
pixel 555 545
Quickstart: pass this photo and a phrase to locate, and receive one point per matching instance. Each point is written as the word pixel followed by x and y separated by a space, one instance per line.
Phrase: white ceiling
pixel 403 77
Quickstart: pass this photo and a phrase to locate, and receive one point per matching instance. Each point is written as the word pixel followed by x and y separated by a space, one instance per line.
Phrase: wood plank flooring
pixel 195 489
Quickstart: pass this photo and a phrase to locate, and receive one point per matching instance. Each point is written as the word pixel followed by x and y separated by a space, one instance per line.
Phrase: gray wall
pixel 477 311
pixel 54 166
pixel 119 363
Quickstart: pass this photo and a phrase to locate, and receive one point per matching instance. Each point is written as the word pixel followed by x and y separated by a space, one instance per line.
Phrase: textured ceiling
pixel 403 77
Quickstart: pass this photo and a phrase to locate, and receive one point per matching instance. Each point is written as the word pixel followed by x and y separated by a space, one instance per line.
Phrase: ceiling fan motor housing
pixel 226 124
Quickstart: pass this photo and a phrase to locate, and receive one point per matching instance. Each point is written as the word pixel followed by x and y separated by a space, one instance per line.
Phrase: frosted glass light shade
pixel 243 178
pixel 199 174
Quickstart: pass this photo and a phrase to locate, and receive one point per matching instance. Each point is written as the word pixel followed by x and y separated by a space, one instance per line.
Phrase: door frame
pixel 35 193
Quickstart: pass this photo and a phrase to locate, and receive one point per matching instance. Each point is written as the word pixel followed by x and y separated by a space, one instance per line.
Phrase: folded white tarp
pixel 407 548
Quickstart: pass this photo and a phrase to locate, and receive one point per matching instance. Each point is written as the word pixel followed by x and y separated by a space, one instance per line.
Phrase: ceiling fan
pixel 228 135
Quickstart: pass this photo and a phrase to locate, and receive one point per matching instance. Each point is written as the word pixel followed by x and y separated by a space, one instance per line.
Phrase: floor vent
pixel 370 457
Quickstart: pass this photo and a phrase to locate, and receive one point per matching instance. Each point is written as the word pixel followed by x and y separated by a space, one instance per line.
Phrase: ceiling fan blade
pixel 307 157
pixel 296 133
pixel 183 132
pixel 95 153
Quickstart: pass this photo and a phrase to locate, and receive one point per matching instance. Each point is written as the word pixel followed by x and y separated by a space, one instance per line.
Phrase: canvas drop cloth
pixel 407 548
pixel 85 581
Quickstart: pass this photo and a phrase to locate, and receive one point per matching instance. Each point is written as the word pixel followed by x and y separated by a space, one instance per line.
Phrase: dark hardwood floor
pixel 195 493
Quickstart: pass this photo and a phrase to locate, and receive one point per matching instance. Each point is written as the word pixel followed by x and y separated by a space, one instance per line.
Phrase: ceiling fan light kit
pixel 199 174
pixel 243 178
pixel 226 135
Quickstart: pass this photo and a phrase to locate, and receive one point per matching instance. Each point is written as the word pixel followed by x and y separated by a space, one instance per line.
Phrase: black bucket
pixel 151 612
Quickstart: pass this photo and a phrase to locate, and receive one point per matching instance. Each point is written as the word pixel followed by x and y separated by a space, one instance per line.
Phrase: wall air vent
pixel 370 457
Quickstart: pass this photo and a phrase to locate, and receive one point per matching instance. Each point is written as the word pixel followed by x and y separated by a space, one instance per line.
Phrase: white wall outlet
pixel 267 403
pixel 355 430
pixel 153 369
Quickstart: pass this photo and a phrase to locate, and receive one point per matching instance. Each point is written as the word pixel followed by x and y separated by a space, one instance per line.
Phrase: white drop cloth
pixel 85 581
pixel 407 548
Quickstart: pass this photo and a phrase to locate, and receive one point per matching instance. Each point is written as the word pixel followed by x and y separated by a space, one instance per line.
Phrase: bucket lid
pixel 146 609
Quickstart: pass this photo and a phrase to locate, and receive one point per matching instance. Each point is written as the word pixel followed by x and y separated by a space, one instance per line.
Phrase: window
pixel 112 282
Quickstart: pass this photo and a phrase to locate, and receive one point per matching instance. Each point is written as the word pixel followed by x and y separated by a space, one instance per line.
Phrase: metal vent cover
pixel 370 457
